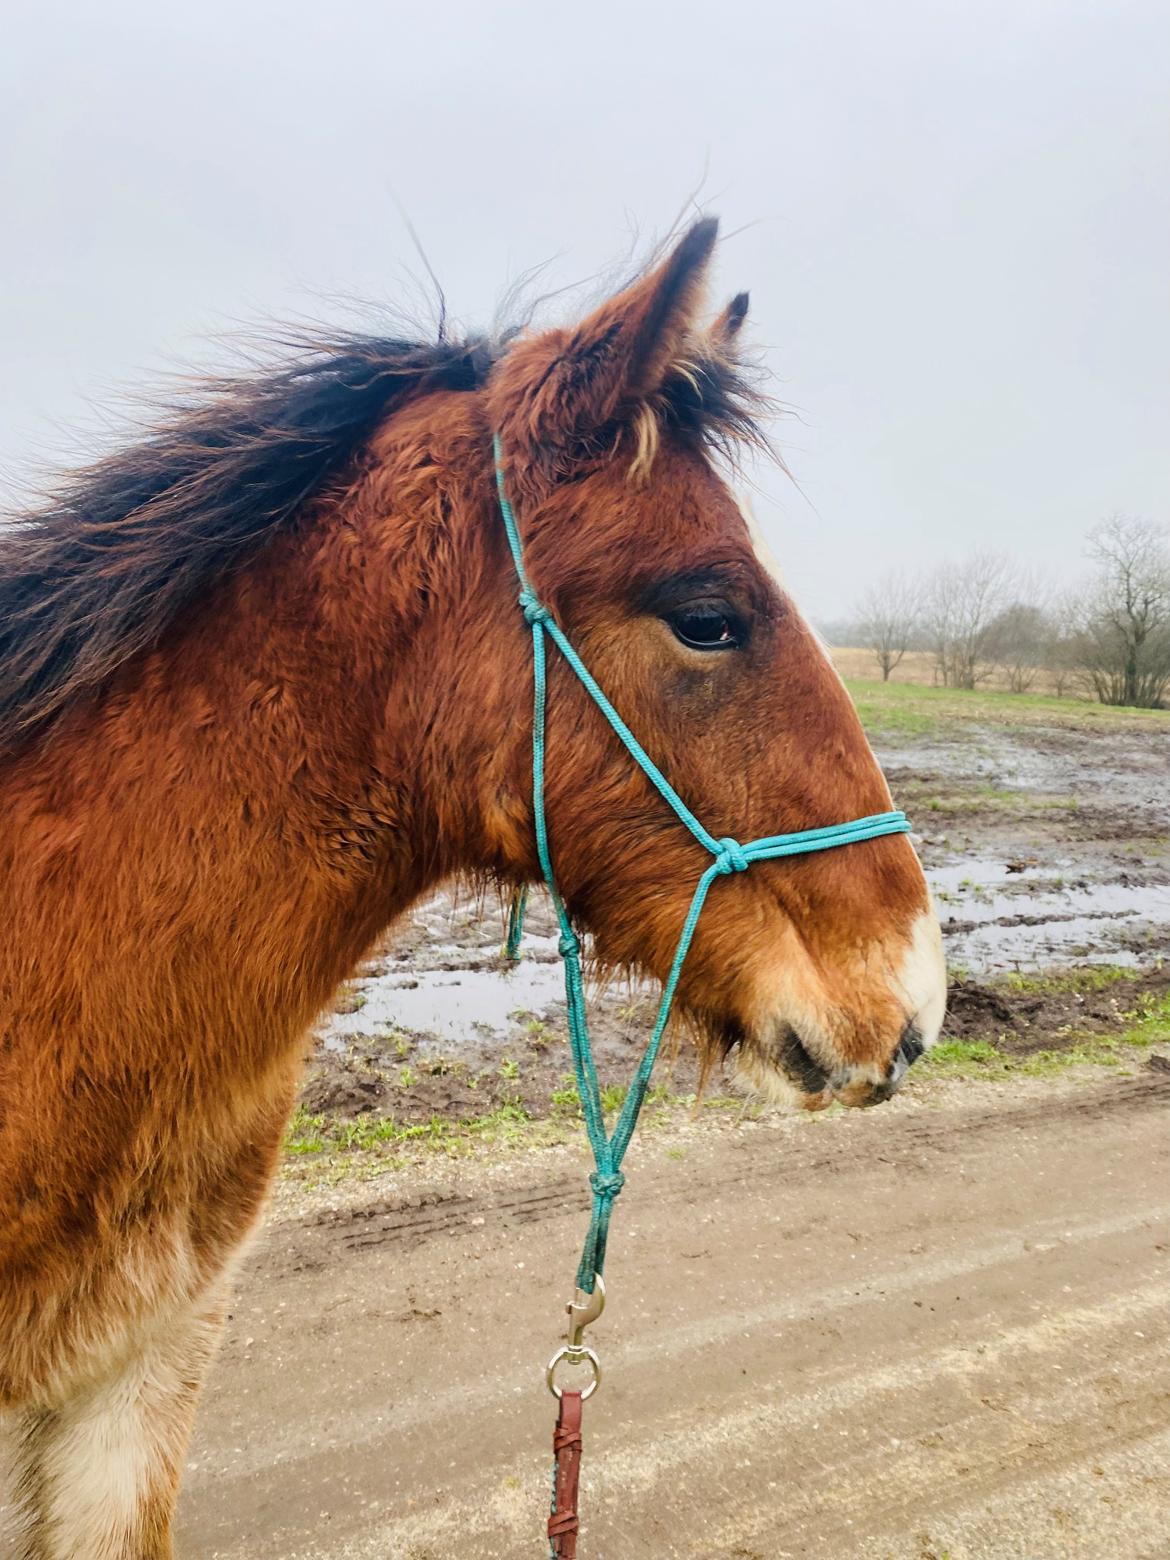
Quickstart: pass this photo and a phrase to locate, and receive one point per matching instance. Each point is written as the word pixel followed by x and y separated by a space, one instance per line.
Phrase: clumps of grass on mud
pixel 1092 977
pixel 323 1147
pixel 1037 1025
pixel 389 1101
pixel 989 799
pixel 931 798
pixel 320 1134
pixel 349 999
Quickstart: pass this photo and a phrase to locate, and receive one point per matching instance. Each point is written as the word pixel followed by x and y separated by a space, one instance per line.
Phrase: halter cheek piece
pixel 728 856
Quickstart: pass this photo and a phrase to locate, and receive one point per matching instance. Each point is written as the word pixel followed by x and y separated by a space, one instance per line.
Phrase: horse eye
pixel 705 627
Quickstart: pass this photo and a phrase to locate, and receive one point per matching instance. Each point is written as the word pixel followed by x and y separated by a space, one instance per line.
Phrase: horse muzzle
pixel 857 1085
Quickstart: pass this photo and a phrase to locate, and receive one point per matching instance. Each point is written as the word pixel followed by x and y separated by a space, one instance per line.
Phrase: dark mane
pixel 99 572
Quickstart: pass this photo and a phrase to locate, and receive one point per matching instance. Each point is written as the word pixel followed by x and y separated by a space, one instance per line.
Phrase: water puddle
pixel 449 1003
pixel 995 917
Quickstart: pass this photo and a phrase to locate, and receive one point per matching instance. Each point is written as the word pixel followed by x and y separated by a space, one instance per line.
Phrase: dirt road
pixel 936 1329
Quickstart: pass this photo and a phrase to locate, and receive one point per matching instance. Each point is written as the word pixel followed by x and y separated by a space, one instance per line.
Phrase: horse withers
pixel 263 683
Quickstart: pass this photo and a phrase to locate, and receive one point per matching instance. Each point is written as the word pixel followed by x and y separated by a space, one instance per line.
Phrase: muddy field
pixel 935 1331
pixel 1047 847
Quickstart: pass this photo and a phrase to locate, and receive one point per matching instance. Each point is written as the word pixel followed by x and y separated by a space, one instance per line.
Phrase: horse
pixel 263 684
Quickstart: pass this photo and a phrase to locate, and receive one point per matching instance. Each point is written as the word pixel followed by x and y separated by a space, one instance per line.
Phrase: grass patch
pixel 1091 977
pixel 984 1059
pixel 379 1137
pixel 912 709
pixel 659 1096
pixel 323 1150
pixel 961 1057
pixel 328 1149
pixel 959 800
pixel 1149 1022
pixel 305 1133
pixel 349 998
pixel 1146 1024
pixel 986 798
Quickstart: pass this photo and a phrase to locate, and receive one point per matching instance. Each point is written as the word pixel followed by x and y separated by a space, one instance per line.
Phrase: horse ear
pixel 575 382
pixel 726 328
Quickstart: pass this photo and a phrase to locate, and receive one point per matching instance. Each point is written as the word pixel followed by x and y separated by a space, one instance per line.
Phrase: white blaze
pixel 921 983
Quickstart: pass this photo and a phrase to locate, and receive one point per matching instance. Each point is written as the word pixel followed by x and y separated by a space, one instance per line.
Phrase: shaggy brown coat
pixel 264 684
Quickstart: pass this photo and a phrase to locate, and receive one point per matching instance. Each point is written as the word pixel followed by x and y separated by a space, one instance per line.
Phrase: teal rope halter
pixel 728 856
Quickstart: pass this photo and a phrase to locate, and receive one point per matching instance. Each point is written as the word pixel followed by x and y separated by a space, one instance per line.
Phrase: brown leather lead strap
pixel 564 1522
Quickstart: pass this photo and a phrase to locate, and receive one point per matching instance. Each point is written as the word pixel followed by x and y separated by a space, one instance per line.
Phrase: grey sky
pixel 956 227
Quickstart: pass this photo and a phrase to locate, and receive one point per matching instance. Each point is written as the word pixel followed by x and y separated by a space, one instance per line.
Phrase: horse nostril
pixel 910 1047
pixel 799 1065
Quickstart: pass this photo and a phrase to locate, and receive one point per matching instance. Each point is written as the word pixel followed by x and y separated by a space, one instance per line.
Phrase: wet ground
pixel 1046 847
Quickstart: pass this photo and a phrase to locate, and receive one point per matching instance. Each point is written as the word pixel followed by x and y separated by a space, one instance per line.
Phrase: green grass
pixel 1146 1024
pixel 1091 977
pixel 304 1133
pixel 922 797
pixel 368 1144
pixel 983 1059
pixel 565 1102
pixel 310 1134
pixel 1149 1022
pixel 987 798
pixel 613 1097
pixel 350 999
pixel 914 709
pixel 538 1034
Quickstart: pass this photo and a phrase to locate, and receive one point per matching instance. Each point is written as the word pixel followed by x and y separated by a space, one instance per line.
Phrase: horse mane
pixel 100 571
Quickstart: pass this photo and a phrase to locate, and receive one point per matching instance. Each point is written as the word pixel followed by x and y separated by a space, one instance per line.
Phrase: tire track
pixel 908 1142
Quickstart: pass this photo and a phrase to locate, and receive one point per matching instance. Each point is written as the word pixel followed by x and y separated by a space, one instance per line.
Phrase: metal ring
pixel 575 1357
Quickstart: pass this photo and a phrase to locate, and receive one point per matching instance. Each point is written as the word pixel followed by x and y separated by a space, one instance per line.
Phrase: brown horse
pixel 263 682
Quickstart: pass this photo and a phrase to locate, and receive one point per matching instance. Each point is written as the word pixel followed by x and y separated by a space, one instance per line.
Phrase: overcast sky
pixel 953 219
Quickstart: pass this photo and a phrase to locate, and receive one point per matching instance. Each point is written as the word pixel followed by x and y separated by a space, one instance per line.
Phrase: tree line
pixel 982 619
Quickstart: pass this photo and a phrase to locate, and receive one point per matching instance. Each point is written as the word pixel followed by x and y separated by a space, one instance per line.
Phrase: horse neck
pixel 253 802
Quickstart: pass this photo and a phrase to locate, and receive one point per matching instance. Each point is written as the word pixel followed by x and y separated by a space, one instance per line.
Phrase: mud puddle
pixel 1044 847
pixel 446 1004
pixel 1013 915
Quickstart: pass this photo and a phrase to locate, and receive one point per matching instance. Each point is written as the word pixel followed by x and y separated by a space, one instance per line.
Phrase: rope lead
pixel 515 930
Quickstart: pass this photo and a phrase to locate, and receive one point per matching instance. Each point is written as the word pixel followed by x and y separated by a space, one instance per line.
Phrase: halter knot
pixel 533 608
pixel 731 857
pixel 568 945
pixel 607 1184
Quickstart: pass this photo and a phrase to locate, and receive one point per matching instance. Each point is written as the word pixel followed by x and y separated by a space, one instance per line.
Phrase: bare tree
pixel 1016 640
pixel 887 619
pixel 1062 643
pixel 1125 615
pixel 962 602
